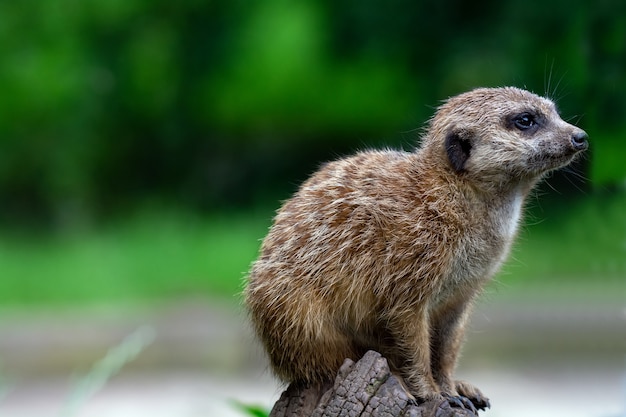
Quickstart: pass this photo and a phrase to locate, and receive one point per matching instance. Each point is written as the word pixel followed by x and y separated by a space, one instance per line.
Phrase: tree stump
pixel 362 389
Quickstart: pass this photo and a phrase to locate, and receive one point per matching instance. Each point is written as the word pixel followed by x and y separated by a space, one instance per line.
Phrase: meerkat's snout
pixel 579 140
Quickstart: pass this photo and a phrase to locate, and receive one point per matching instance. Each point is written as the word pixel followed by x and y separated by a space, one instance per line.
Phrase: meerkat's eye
pixel 524 121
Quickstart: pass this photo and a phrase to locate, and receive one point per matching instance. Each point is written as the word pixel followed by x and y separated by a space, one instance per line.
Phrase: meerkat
pixel 386 250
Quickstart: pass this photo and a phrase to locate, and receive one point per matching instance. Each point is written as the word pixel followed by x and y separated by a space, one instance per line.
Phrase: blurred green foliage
pixel 106 104
pixel 151 255
pixel 564 248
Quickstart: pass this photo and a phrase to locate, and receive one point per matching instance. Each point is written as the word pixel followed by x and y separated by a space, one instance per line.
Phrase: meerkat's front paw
pixel 473 394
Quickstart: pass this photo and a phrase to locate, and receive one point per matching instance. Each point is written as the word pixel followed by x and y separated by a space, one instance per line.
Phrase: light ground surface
pixel 519 392
pixel 533 359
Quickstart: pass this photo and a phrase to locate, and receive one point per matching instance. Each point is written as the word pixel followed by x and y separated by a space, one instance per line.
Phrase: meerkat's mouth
pixel 553 157
pixel 549 162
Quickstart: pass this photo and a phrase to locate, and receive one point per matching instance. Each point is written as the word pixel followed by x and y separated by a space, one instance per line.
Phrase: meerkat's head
pixel 500 137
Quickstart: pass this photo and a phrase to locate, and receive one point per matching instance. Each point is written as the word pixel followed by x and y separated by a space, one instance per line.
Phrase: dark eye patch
pixel 526 121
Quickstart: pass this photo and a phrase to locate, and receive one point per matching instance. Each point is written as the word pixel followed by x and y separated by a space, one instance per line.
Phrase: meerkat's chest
pixel 481 250
pixel 506 218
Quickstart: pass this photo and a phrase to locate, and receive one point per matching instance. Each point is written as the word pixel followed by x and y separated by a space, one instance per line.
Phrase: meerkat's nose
pixel 579 140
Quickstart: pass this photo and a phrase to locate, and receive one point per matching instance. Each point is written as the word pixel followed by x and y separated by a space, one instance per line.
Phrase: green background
pixel 144 145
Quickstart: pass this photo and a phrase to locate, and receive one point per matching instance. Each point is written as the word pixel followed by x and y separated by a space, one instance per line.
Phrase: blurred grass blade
pixel 251 410
pixel 108 366
pixel 5 385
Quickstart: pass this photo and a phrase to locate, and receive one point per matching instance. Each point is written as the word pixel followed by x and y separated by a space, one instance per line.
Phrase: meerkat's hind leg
pixel 473 394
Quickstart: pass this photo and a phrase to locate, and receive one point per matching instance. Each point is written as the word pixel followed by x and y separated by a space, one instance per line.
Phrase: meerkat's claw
pixel 468 404
pixel 482 403
pixel 473 394
pixel 456 401
pixel 479 402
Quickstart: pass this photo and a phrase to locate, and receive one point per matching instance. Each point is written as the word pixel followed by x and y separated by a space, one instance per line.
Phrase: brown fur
pixel 386 250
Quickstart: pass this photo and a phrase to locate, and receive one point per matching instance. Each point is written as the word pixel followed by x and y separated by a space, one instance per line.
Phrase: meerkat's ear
pixel 458 147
